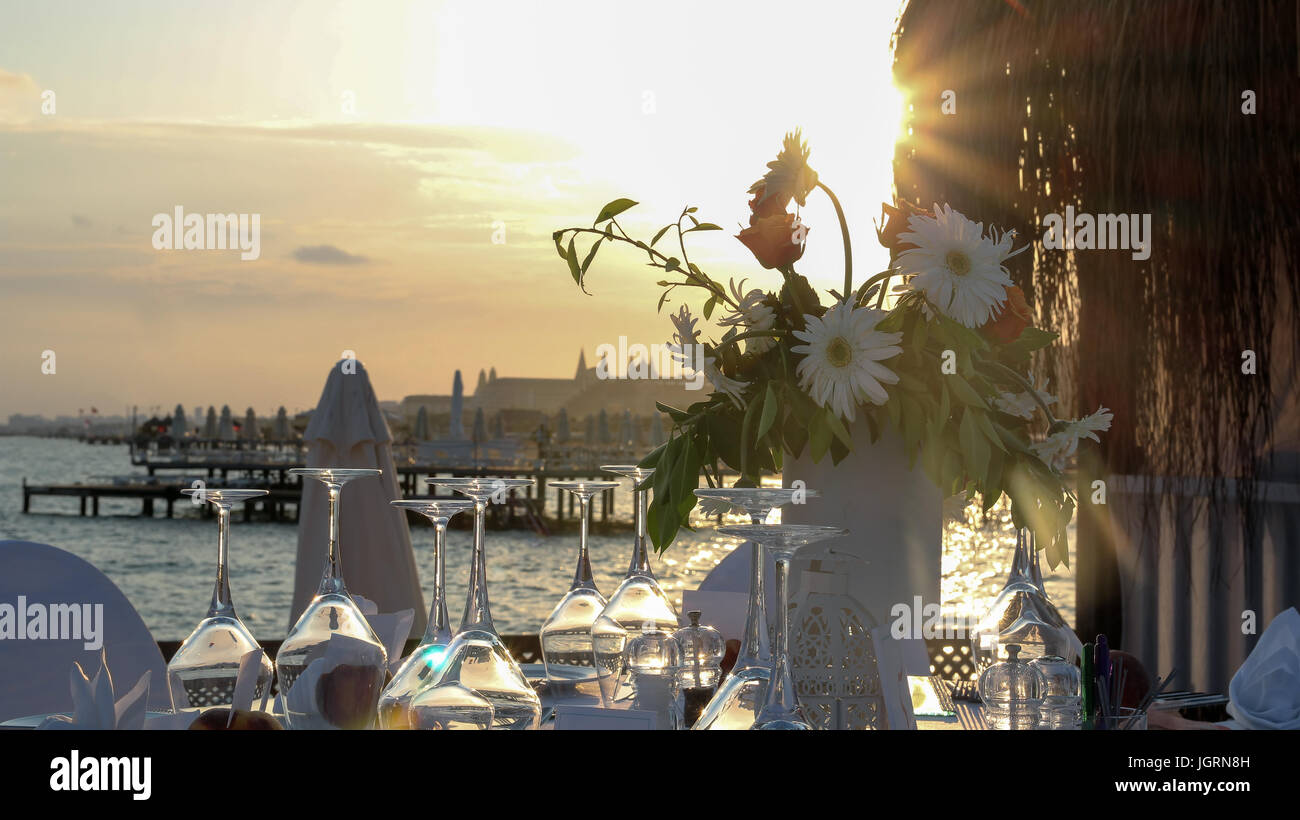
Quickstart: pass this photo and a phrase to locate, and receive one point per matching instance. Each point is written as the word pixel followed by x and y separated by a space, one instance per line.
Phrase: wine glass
pixel 420 668
pixel 638 599
pixel 450 706
pixel 1022 614
pixel 477 658
pixel 566 634
pixel 331 648
pixel 738 701
pixel 781 707
pixel 207 663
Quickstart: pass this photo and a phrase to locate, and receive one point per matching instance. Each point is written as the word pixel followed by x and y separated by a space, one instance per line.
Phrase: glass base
pixel 478 660
pixel 784 724
pixel 566 635
pixel 637 601
pixel 416 674
pixel 207 663
pixel 737 702
pixel 333 649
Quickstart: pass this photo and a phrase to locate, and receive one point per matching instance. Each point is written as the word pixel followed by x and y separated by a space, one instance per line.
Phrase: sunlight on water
pixel 165 567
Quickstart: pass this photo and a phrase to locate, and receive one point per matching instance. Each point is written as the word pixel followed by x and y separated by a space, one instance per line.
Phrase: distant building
pixel 526 400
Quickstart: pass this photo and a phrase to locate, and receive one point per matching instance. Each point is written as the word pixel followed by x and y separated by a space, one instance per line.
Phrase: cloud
pixel 81 221
pixel 20 96
pixel 327 255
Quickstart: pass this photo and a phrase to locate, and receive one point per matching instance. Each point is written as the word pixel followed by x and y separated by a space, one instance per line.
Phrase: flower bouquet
pixel 944 365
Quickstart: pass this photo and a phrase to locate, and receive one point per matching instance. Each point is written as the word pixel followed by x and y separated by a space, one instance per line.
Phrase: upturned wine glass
pixel 207 663
pixel 566 634
pixel 738 701
pixel 638 599
pixel 420 668
pixel 332 647
pixel 781 707
pixel 477 658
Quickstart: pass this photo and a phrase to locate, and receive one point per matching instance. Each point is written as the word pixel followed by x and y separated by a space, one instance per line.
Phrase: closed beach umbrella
pixel 603 427
pixel 226 429
pixel 480 426
pixel 179 426
pixel 249 433
pixel 281 425
pixel 625 429
pixel 562 427
pixel 657 436
pixel 422 424
pixel 456 431
pixel 347 429
pixel 210 426
pixel 499 427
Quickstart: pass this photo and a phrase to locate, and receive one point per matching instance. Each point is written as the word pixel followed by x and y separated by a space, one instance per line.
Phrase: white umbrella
pixel 499 427
pixel 281 425
pixel 562 433
pixel 226 429
pixel 210 426
pixel 347 429
pixel 179 426
pixel 456 428
pixel 249 431
pixel 422 424
pixel 480 426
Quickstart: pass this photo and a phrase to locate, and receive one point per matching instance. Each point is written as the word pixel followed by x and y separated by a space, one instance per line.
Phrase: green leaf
pixel 703 226
pixel 819 437
pixel 837 427
pixel 964 392
pixel 710 305
pixel 613 209
pixel 986 427
pixel 975 449
pixel 768 415
pixel 673 264
pixel 660 235
pixel 591 254
pixel 571 256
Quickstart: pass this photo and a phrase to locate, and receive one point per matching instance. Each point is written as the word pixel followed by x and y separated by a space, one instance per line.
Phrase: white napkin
pixel 1265 692
pixel 392 628
pixel 95 705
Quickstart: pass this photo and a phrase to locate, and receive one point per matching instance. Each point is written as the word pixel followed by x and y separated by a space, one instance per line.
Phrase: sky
pixel 408 163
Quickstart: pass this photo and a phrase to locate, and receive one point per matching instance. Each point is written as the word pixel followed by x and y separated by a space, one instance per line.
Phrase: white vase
pixel 894 515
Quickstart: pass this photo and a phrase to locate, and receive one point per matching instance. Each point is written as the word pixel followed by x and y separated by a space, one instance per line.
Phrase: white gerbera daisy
pixel 958 268
pixel 752 314
pixel 1022 405
pixel 841 367
pixel 1057 449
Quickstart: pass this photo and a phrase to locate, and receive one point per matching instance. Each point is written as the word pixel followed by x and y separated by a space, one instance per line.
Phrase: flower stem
pixel 844 232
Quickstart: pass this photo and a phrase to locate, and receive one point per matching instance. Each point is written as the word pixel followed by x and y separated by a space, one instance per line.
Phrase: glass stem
pixel 781 701
pixel 640 548
pixel 439 628
pixel 332 581
pixel 582 577
pixel 221 601
pixel 477 614
pixel 755 647
pixel 1021 565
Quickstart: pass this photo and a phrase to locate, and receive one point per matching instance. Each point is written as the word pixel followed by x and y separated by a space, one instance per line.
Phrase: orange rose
pixel 771 240
pixel 773 206
pixel 896 222
pixel 1014 317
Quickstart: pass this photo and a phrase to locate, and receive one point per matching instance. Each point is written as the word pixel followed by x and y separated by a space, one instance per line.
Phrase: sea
pixel 166 567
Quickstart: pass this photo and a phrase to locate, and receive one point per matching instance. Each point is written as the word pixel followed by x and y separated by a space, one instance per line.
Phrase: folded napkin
pixel 95 705
pixel 1265 692
pixel 392 628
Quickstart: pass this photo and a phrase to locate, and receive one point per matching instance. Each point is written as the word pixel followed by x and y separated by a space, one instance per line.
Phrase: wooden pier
pixel 524 507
